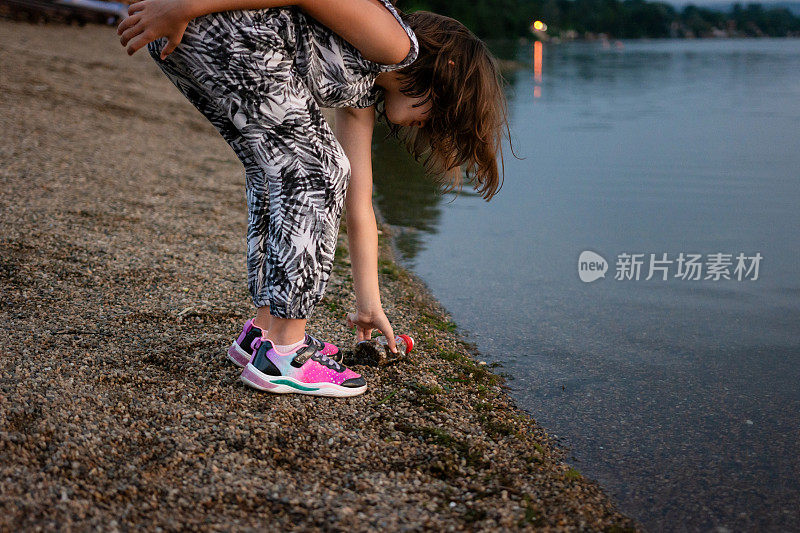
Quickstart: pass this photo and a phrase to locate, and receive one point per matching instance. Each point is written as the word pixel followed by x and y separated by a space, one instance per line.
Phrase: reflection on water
pixel 680 397
pixel 406 198
pixel 538 48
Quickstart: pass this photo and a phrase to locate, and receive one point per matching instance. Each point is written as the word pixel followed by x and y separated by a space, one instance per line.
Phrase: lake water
pixel 681 397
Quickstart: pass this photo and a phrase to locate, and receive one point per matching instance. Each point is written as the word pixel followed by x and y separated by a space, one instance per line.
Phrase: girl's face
pixel 400 109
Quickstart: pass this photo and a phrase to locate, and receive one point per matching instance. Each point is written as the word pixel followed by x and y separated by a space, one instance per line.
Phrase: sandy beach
pixel 122 283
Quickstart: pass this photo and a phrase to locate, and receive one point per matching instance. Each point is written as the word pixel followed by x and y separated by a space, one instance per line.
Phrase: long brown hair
pixel 456 70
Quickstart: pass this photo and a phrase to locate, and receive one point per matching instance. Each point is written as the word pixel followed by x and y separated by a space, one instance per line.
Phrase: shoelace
pixel 315 341
pixel 322 347
pixel 324 358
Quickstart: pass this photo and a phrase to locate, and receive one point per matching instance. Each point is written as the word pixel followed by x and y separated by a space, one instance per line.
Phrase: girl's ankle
pixel 287 348
pixel 264 329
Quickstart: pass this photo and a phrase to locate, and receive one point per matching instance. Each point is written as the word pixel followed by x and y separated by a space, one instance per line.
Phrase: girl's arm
pixel 353 129
pixel 366 24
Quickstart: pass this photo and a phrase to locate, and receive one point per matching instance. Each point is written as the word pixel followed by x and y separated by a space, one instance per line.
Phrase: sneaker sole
pixel 252 377
pixel 239 357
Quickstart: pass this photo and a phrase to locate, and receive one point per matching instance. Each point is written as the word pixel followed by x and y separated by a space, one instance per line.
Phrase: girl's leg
pixel 307 174
pixel 287 331
pixel 176 69
pixel 295 203
pixel 263 319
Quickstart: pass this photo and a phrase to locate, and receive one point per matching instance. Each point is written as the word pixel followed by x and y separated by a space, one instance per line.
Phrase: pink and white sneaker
pixel 303 370
pixel 241 351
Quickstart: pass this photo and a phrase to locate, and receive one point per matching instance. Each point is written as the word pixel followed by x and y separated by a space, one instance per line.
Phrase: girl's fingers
pixel 126 23
pixel 392 344
pixel 388 332
pixel 364 330
pixel 136 43
pixel 130 33
pixel 171 45
pixel 133 8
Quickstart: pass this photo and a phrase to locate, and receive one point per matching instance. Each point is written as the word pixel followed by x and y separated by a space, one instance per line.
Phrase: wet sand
pixel 122 277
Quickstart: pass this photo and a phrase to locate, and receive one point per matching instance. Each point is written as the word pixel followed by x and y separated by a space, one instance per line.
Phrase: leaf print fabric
pixel 260 77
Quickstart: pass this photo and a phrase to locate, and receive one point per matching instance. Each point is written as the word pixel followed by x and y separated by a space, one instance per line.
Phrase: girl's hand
pixel 149 20
pixel 366 321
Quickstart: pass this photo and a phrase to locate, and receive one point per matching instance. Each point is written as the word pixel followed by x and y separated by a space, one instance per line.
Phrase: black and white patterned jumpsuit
pixel 261 76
